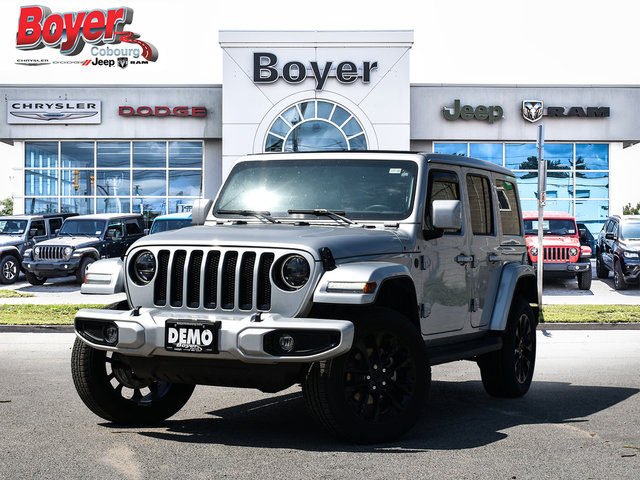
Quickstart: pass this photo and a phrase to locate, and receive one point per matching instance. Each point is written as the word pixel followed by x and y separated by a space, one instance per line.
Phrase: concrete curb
pixel 542 326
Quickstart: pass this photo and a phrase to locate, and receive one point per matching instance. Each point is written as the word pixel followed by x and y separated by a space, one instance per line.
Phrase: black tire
pixel 508 372
pixel 618 277
pixel 33 279
pixel 584 280
pixel 81 273
pixel 601 270
pixel 375 392
pixel 112 391
pixel 9 269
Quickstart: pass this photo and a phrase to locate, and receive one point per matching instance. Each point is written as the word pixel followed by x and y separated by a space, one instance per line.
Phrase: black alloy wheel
pixel 9 269
pixel 375 392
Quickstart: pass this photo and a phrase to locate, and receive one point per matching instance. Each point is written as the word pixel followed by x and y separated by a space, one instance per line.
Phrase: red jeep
pixel 563 253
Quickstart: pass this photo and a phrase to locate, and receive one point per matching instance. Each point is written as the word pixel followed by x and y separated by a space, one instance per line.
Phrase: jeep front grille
pixel 556 254
pixel 214 279
pixel 51 253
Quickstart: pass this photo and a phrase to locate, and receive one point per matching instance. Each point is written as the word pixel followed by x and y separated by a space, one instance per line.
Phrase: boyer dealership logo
pixel 70 32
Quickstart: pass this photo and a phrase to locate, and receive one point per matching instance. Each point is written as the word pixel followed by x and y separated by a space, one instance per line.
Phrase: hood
pixel 75 242
pixel 344 242
pixel 10 240
pixel 630 244
pixel 554 241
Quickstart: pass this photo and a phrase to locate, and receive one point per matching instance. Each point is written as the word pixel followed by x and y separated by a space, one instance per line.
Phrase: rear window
pixel 508 205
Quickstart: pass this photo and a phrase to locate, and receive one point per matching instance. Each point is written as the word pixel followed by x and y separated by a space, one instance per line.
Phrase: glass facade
pixel 315 125
pixel 577 174
pixel 149 177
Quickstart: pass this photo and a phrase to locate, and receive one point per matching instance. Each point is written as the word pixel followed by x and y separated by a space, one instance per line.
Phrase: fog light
pixel 111 334
pixel 285 341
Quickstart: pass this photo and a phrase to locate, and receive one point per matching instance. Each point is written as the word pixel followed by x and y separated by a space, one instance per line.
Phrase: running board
pixel 463 350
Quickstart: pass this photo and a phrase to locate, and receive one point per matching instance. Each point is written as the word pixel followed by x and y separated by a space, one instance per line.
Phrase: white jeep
pixel 350 273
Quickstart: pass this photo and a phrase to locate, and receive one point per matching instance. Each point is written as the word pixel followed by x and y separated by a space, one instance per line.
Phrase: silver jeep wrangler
pixel 348 273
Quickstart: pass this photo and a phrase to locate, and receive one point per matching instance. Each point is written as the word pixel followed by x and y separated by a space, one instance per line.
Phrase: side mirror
pixel 583 232
pixel 111 234
pixel 55 232
pixel 33 232
pixel 610 236
pixel 446 214
pixel 200 211
pixel 146 231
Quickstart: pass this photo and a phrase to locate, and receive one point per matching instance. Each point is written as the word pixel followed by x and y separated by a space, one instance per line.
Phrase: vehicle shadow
pixel 458 415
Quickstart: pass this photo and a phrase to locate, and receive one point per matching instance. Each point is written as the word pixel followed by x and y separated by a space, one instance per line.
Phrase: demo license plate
pixel 192 337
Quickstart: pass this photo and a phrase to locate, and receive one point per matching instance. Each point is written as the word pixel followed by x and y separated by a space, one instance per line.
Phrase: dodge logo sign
pixel 532 110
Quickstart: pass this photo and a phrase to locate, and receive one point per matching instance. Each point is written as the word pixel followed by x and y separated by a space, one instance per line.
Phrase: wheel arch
pixel 516 281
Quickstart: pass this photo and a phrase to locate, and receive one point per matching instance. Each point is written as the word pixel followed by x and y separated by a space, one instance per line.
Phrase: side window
pixel 611 227
pixel 116 227
pixel 442 186
pixel 133 228
pixel 508 205
pixel 55 224
pixel 39 226
pixel 480 207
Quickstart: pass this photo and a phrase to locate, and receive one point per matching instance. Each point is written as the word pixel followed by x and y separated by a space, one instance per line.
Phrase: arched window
pixel 315 125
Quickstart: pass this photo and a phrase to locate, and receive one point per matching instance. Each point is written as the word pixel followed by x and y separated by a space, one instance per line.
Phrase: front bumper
pixel 142 333
pixel 631 270
pixel 51 269
pixel 576 267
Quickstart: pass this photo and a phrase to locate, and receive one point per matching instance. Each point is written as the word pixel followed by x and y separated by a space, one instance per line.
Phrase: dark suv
pixel 618 250
pixel 81 241
pixel 20 232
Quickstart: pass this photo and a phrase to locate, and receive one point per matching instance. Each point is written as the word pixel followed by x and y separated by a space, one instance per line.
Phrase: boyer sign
pixel 69 32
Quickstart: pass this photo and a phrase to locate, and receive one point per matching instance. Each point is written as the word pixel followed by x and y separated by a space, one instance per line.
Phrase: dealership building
pixel 156 148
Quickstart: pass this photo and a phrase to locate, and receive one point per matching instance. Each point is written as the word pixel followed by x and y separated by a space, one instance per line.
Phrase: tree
pixel 6 206
pixel 629 210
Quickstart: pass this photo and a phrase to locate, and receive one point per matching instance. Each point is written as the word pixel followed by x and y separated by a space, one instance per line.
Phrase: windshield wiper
pixel 323 212
pixel 248 213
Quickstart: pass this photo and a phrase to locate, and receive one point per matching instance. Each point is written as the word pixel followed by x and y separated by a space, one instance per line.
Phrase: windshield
pixel 371 189
pixel 630 231
pixel 92 228
pixel 552 226
pixel 12 227
pixel 174 224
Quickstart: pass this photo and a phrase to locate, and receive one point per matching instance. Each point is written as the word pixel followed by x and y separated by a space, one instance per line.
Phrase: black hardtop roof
pixel 458 160
pixel 107 216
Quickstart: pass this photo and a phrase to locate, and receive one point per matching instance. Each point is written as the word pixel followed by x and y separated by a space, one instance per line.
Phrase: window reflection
pixel 185 182
pixel 76 182
pixel 41 182
pixel 149 154
pixel 185 154
pixel 490 152
pixel 40 205
pixel 113 205
pixel 559 184
pixel 315 135
pixel 555 205
pixel 594 156
pixel 180 205
pixel 450 148
pixel 112 183
pixel 77 154
pixel 41 155
pixel 83 206
pixel 113 154
pixel 149 183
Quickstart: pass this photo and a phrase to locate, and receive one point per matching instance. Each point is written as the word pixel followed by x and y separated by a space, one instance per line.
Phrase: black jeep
pixel 81 241
pixel 20 232
pixel 618 250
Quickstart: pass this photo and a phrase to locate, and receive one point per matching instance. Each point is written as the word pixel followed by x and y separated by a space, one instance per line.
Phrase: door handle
pixel 494 258
pixel 464 259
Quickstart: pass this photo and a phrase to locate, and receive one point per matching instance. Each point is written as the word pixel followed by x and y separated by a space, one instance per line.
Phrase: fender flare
pixel 12 250
pixel 91 251
pixel 355 275
pixel 518 278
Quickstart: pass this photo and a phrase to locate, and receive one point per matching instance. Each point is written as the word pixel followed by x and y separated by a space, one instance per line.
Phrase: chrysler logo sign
pixel 53 111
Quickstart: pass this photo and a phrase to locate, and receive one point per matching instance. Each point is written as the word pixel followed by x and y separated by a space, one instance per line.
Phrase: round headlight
pixel 67 251
pixel 533 251
pixel 573 251
pixel 37 250
pixel 295 272
pixel 144 267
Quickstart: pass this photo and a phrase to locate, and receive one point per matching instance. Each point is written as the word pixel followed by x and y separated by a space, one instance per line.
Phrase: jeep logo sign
pixel 264 71
pixel 467 112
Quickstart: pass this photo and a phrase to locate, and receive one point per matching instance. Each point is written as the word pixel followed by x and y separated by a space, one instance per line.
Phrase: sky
pixel 455 41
